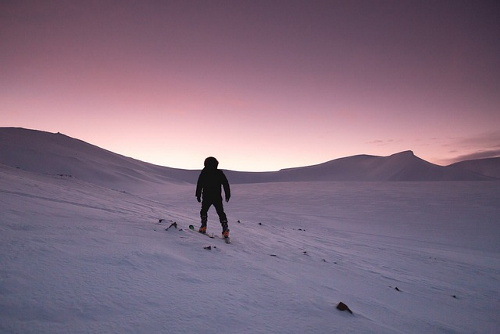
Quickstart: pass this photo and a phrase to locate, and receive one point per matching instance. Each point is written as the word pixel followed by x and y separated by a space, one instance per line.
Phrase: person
pixel 208 188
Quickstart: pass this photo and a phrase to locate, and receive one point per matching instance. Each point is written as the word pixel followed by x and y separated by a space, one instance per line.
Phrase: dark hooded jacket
pixel 210 181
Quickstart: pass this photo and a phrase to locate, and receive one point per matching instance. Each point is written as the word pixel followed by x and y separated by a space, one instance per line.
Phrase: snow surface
pixel 82 249
pixel 76 257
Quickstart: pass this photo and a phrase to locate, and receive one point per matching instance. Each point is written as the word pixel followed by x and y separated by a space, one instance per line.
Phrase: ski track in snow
pixel 78 258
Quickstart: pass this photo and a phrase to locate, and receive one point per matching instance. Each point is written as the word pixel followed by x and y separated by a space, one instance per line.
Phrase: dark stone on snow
pixel 343 307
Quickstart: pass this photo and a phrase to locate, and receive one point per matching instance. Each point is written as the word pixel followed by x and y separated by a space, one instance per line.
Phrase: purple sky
pixel 261 85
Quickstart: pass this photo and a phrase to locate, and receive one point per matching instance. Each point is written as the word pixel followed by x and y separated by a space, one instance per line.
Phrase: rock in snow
pixel 343 307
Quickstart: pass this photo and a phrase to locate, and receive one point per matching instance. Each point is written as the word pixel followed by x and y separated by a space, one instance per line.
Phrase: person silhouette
pixel 208 188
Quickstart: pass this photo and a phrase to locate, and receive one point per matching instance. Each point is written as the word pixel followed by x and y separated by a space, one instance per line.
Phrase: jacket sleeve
pixel 199 185
pixel 225 185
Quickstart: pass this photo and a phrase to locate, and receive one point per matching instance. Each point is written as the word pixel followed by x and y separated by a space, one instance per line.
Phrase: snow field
pixel 79 258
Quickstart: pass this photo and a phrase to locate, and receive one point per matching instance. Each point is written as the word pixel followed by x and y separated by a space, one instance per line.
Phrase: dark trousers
pixel 217 203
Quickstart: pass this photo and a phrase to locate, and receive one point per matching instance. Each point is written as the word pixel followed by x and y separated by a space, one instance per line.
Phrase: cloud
pixel 380 142
pixel 477 155
pixel 486 145
pixel 489 139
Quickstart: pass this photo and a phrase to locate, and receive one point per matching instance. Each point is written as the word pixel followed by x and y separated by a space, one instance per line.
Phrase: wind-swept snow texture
pixel 81 256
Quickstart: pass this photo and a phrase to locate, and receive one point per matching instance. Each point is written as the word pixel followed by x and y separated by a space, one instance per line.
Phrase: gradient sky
pixel 261 85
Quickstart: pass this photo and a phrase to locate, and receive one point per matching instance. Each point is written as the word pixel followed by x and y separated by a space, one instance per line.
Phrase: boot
pixel 225 229
pixel 203 227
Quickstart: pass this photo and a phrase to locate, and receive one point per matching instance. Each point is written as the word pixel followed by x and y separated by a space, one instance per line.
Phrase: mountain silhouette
pixel 58 154
pixel 489 166
pixel 403 166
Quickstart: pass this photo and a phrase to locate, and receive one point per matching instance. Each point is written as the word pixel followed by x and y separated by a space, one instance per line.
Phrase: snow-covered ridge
pixel 489 166
pixel 404 166
pixel 58 154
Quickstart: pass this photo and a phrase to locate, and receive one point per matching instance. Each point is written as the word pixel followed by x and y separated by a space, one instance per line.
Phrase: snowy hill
pixel 404 166
pixel 489 167
pixel 58 154
pixel 78 255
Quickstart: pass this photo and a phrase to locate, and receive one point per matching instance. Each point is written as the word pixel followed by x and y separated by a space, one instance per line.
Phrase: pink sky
pixel 261 85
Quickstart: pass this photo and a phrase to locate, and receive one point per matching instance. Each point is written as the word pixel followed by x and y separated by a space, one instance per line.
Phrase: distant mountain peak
pixel 404 153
